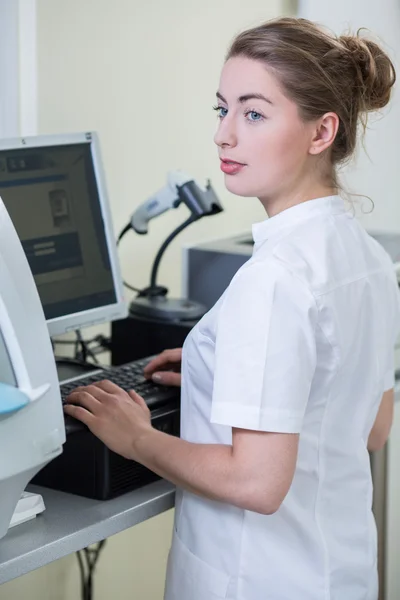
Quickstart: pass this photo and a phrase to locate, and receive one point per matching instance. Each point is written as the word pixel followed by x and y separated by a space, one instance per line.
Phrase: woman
pixel 288 380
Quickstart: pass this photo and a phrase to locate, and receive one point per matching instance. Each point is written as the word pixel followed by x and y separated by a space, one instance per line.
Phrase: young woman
pixel 288 380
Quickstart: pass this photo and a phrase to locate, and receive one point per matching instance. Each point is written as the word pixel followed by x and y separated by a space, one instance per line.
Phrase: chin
pixel 239 187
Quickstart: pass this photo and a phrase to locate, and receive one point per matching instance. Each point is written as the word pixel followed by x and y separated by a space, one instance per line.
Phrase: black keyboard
pixel 128 377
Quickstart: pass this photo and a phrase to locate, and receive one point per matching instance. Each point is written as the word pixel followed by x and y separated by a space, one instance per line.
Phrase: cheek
pixel 282 146
pixel 274 151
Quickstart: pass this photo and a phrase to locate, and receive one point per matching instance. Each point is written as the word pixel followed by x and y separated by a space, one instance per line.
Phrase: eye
pixel 253 116
pixel 221 111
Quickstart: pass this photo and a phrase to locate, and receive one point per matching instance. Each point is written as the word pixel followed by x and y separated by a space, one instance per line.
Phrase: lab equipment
pixel 53 188
pixel 200 200
pixel 208 267
pixel 54 191
pixel 87 467
pixel 152 302
pixel 154 318
pixel 152 337
pixel 31 418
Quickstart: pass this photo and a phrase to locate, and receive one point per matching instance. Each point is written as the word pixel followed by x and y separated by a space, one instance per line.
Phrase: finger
pixel 167 378
pixel 80 413
pixel 79 388
pixel 107 386
pixel 164 360
pixel 160 362
pixel 161 368
pixel 84 400
pixel 139 400
pixel 93 389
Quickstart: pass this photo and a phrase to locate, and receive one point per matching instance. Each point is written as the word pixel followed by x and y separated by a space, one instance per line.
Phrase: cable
pixel 121 235
pixel 82 344
pixel 123 232
pixel 82 349
pixel 72 342
pixel 164 246
pixel 130 287
pixel 153 289
pixel 83 576
pixel 87 559
pixel 85 350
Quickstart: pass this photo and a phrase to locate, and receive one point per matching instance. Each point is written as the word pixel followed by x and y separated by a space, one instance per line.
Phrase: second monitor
pixel 54 190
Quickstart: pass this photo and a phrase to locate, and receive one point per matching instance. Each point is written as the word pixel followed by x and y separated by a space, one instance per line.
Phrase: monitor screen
pixel 55 198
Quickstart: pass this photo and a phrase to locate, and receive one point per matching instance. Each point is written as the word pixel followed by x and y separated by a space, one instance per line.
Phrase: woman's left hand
pixel 116 417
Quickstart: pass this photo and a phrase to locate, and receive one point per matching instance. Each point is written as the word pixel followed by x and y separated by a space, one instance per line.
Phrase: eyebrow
pixel 246 97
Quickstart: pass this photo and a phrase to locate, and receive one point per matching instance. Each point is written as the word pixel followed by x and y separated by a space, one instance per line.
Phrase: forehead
pixel 242 76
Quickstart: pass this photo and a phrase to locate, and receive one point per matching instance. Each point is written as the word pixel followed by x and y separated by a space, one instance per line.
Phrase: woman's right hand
pixel 165 369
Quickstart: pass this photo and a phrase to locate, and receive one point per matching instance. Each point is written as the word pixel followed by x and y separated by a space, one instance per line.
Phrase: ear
pixel 325 133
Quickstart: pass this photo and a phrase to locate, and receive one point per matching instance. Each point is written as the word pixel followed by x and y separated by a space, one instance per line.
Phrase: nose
pixel 226 136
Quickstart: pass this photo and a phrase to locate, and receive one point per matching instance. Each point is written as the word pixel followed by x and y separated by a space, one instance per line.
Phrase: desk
pixel 71 523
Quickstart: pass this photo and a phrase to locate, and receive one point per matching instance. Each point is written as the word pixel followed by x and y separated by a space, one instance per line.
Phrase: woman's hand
pixel 116 417
pixel 165 369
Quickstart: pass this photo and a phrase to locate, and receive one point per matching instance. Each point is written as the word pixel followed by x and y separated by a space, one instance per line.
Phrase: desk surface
pixel 70 523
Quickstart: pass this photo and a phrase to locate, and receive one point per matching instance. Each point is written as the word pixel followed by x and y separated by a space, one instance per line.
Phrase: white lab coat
pixel 301 342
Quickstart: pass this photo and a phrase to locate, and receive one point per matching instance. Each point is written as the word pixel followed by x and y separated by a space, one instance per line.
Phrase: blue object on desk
pixel 11 399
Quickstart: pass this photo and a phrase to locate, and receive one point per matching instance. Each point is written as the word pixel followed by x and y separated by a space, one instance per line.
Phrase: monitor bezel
pixel 110 312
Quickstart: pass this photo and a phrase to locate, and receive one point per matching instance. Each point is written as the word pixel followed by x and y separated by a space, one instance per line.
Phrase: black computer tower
pixel 137 337
pixel 88 468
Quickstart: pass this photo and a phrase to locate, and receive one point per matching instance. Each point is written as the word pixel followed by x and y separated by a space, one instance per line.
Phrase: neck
pixel 277 203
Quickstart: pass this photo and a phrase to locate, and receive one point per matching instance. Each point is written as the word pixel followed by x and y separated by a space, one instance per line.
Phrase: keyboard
pixel 128 377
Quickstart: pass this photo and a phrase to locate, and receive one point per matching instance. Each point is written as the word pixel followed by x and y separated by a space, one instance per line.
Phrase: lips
pixel 231 167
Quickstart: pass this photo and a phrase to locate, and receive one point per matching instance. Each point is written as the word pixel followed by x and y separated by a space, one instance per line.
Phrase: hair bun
pixel 374 69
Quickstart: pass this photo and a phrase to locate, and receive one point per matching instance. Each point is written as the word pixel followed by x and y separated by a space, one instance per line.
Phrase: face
pixel 263 144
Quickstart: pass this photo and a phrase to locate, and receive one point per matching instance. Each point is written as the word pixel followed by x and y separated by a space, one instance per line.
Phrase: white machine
pixel 31 418
pixel 58 272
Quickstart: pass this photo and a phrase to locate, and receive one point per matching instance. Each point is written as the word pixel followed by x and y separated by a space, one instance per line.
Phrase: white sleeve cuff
pixel 247 417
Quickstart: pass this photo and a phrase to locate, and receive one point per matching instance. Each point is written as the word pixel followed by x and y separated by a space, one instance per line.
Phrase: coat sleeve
pixel 265 354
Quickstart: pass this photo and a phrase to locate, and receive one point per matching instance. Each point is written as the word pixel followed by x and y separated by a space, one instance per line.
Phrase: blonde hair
pixel 348 75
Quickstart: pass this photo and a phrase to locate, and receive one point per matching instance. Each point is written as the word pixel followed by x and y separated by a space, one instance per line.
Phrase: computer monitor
pixel 54 190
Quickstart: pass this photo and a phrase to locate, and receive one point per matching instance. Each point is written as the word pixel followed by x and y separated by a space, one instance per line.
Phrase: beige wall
pixel 374 172
pixel 144 75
